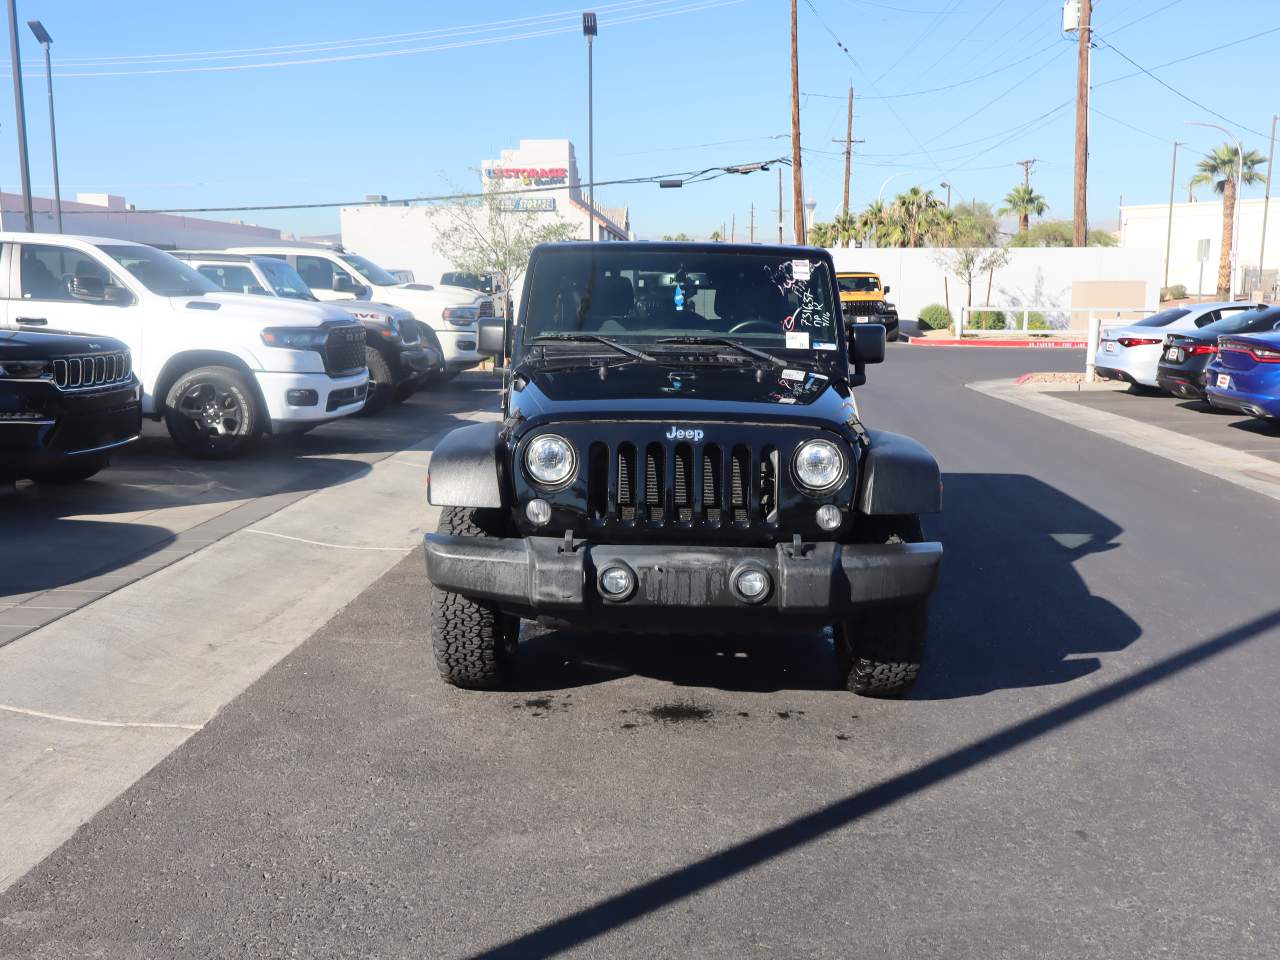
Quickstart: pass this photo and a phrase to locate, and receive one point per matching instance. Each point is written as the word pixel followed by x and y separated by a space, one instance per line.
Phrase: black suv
pixel 66 402
pixel 681 452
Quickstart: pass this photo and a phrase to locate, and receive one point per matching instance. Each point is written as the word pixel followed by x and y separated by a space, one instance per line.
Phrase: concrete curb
pixel 1242 469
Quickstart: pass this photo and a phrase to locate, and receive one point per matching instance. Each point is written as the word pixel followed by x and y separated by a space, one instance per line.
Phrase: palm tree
pixel 846 225
pixel 715 236
pixel 870 223
pixel 1024 201
pixel 822 235
pixel 912 218
pixel 1220 167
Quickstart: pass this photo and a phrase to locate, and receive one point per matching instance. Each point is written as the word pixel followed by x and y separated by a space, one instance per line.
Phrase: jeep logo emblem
pixel 676 433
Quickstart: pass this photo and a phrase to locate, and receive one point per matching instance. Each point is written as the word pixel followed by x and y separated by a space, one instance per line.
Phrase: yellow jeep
pixel 862 300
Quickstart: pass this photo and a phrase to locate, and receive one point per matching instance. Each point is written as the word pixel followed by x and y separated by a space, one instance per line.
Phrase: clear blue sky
pixel 669 91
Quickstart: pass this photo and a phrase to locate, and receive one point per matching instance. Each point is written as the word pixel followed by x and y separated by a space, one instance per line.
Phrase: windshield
pixel 369 270
pixel 284 279
pixel 1244 321
pixel 1162 319
pixel 858 284
pixel 159 272
pixel 765 300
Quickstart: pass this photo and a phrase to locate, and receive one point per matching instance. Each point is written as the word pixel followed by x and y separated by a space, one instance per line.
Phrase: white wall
pixel 1034 275
pixel 397 238
pixel 1147 225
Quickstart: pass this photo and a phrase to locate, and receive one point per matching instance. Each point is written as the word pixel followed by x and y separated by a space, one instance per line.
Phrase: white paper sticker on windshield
pixel 800 269
pixel 792 374
pixel 797 339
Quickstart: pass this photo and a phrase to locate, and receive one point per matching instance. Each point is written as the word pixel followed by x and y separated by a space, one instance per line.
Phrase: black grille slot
pixel 598 480
pixel 653 479
pixel 769 484
pixel 627 482
pixel 682 482
pixel 739 474
pixel 344 350
pixel 712 482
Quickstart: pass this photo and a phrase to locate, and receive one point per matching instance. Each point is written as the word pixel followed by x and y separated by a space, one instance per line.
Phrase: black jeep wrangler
pixel 680 452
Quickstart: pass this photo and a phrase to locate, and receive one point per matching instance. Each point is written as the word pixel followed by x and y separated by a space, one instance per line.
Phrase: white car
pixel 219 368
pixel 333 273
pixel 1132 352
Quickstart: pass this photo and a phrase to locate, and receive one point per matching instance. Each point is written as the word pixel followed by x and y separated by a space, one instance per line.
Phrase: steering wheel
pixel 754 326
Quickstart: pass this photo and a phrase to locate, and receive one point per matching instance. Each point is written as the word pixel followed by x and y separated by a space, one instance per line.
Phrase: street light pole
pixel 42 35
pixel 1235 213
pixel 1168 235
pixel 1266 199
pixel 589 31
pixel 24 168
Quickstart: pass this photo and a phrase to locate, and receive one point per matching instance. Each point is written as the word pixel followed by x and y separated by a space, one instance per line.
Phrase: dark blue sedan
pixel 1245 375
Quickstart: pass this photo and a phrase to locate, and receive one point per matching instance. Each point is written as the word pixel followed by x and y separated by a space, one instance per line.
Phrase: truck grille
pixel 92 371
pixel 663 483
pixel 344 350
pixel 862 308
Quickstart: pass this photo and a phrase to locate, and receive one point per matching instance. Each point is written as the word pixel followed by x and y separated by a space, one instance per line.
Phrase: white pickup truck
pixel 219 368
pixel 333 273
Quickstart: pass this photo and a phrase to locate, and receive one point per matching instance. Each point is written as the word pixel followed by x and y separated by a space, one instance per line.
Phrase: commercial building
pixel 1196 242
pixel 106 215
pixel 541 177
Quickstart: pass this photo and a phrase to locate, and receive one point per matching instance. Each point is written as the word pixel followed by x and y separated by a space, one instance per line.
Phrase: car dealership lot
pixel 1087 768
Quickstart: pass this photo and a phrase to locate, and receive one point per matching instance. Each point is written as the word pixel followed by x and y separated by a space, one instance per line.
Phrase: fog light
pixel 752 584
pixel 302 398
pixel 538 512
pixel 829 516
pixel 617 582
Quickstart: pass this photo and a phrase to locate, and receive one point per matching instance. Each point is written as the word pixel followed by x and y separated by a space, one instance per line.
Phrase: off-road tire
pixel 71 471
pixel 474 642
pixel 381 383
pixel 879 650
pixel 189 438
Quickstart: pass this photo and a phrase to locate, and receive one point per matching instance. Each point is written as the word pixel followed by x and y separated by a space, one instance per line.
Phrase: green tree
pixel 914 219
pixel 715 236
pixel 1221 167
pixel 1059 233
pixel 870 223
pixel 977 224
pixel 678 236
pixel 846 226
pixel 822 235
pixel 1023 201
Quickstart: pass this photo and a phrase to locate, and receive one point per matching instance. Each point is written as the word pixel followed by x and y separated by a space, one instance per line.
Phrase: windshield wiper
pixel 595 338
pixel 727 342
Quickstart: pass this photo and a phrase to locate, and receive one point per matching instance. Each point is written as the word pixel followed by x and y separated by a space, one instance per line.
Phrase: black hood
pixel 734 392
pixel 40 345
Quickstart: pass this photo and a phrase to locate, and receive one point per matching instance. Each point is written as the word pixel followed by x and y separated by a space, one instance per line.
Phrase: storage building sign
pixel 538 176
pixel 528 204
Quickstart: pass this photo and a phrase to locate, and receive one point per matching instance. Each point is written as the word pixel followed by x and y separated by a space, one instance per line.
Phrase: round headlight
pixel 550 460
pixel 819 464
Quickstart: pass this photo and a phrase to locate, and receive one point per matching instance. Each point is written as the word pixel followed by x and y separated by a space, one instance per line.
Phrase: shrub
pixel 935 317
pixel 1175 292
pixel 986 320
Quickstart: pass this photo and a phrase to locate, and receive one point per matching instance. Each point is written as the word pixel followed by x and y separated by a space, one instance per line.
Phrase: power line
pixel 686 177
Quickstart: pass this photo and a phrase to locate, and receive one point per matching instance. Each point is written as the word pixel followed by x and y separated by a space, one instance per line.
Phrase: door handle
pixel 34 321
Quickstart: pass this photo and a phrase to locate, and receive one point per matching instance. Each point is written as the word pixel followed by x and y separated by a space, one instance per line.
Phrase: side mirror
pixel 866 343
pixel 887 288
pixel 87 288
pixel 342 284
pixel 492 337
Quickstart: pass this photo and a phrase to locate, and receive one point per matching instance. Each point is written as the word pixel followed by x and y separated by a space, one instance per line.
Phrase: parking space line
pixel 99 723
pixel 320 543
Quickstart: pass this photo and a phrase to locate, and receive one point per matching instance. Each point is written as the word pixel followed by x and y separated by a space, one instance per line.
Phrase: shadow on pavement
pixel 677 885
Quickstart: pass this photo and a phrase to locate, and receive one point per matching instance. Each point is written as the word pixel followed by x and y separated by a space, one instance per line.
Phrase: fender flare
pixel 898 476
pixel 464 468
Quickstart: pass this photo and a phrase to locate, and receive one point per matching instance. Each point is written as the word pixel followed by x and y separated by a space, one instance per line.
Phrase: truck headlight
pixel 291 338
pixel 818 464
pixel 460 316
pixel 550 460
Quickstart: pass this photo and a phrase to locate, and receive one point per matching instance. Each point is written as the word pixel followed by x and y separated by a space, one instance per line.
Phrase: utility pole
pixel 780 209
pixel 733 228
pixel 797 174
pixel 1081 225
pixel 589 30
pixel 752 229
pixel 28 218
pixel 1266 199
pixel 1168 234
pixel 1026 166
pixel 848 142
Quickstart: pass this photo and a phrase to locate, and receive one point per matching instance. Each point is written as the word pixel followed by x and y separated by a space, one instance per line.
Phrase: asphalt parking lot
pixel 1088 767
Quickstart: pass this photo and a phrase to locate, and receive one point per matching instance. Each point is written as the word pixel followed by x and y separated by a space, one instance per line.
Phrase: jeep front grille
pixel 662 483
pixel 862 308
pixel 92 371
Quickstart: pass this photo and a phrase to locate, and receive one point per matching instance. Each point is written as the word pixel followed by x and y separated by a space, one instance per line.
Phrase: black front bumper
pixel 41 428
pixel 547 577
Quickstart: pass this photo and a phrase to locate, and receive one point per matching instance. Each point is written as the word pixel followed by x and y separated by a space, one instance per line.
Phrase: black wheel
pixel 381 383
pixel 474 642
pixel 212 413
pixel 404 391
pixel 71 470
pixel 879 650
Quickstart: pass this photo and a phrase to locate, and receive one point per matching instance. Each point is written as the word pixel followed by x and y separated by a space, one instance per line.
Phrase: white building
pixel 106 215
pixel 403 237
pixel 1197 229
